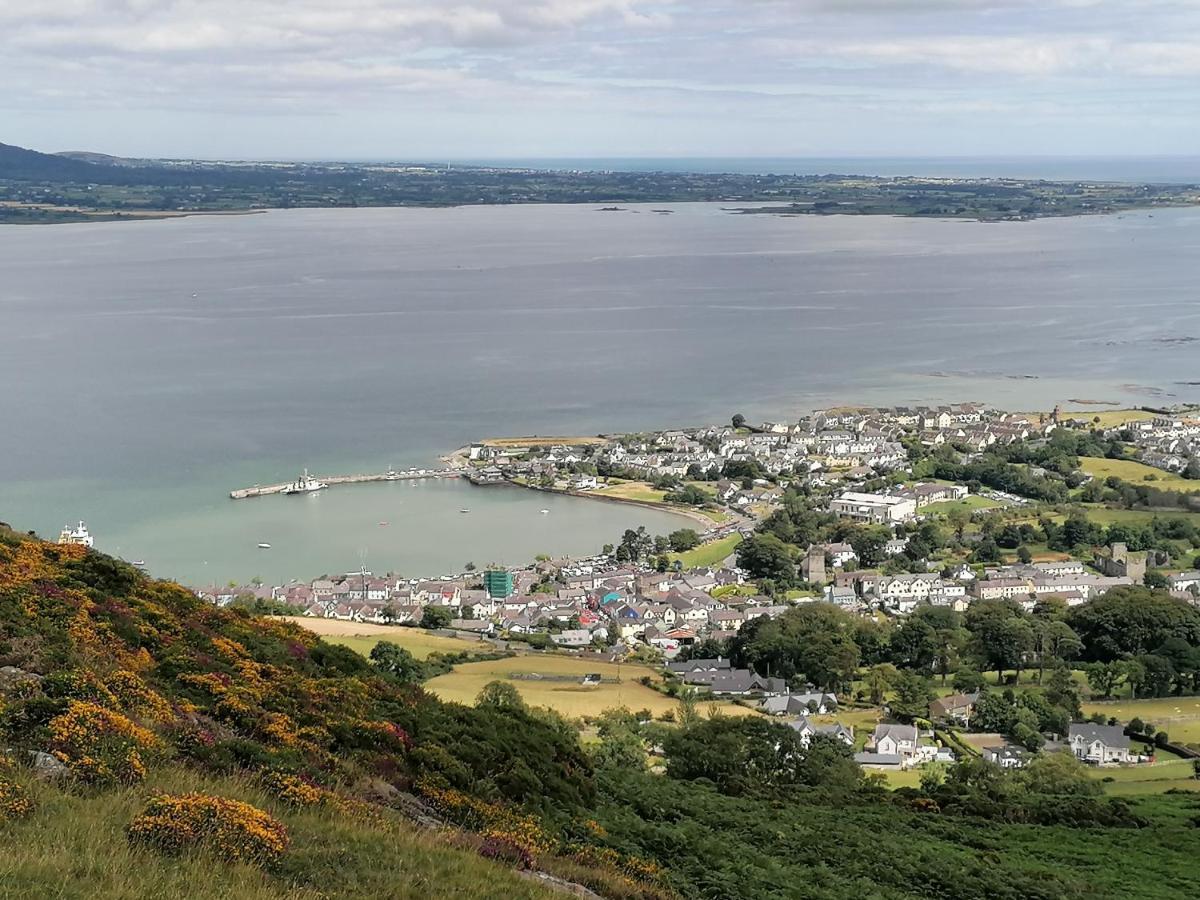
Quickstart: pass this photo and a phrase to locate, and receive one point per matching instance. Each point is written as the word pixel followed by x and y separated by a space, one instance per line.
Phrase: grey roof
pixel 1109 735
pixel 877 759
pixel 897 731
pixel 694 665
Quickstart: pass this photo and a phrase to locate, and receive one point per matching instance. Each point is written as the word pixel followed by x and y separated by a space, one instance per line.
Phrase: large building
pixel 499 583
pixel 877 508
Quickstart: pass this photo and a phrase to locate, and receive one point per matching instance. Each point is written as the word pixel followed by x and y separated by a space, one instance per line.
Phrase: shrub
pixel 100 746
pixel 14 800
pixel 234 831
pixel 503 850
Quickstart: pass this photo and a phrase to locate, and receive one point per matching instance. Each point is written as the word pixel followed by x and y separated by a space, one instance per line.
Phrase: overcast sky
pixel 554 78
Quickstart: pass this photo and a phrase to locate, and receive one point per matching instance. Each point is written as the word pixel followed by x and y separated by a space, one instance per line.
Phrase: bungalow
pixel 802 703
pixel 1006 756
pixel 1098 744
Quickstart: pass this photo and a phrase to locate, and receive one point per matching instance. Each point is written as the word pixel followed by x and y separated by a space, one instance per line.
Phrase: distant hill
pixel 102 159
pixel 21 164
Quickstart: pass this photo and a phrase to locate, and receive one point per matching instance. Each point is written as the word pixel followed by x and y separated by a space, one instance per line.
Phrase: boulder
pixel 46 766
pixel 11 677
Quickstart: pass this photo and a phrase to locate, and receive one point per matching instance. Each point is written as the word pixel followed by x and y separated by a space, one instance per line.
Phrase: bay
pixel 147 368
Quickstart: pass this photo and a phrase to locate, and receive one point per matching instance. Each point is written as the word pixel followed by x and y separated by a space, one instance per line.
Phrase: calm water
pixel 350 340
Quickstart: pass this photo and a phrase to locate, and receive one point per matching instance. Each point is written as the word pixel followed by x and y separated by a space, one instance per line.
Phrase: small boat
pixel 305 484
pixel 464 510
pixel 264 546
pixel 385 523
pixel 391 474
pixel 545 511
pixel 140 563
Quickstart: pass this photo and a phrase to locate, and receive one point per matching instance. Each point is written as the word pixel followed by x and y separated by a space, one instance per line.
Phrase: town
pixel 890 578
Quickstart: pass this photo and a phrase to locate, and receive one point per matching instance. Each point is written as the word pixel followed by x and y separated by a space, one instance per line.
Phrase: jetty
pixel 262 490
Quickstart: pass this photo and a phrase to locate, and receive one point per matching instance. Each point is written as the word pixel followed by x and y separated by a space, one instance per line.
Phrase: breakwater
pixel 262 490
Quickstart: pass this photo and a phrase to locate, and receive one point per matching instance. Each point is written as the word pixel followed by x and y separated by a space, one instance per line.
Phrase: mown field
pixel 362 637
pixel 1137 473
pixel 711 554
pixel 562 690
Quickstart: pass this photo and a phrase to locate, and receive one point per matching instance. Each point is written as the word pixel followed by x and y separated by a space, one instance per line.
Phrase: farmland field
pixel 1137 473
pixel 362 637
pixel 562 691
pixel 1178 716
pixel 1105 516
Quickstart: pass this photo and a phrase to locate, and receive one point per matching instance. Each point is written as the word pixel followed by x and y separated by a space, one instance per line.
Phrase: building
pixel 874 508
pixel 498 583
pixel 1099 744
pixel 1120 563
pixel 812 567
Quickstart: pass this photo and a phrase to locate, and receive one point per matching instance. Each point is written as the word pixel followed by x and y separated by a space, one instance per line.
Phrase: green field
pixel 1178 716
pixel 564 695
pixel 631 490
pixel 1137 473
pixel 710 554
pixel 1105 516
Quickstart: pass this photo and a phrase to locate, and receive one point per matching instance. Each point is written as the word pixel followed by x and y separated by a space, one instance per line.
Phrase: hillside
pixel 158 746
pixel 20 164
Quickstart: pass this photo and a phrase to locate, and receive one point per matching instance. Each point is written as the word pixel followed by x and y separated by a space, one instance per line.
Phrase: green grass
pixel 1105 516
pixel 74 848
pixel 1137 473
pixel 632 490
pixel 710 554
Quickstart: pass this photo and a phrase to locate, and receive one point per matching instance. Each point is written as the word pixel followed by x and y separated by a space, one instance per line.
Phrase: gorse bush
pixel 15 802
pixel 232 830
pixel 101 746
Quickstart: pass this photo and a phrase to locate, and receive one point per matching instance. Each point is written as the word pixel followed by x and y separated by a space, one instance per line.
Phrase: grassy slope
pixel 710 554
pixel 74 846
pixel 1137 473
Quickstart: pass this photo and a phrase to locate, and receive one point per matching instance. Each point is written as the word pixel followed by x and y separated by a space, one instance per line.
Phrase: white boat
pixel 305 484
pixel 545 512
pixel 264 546
pixel 77 535
pixel 464 510
pixel 140 563
pixel 391 474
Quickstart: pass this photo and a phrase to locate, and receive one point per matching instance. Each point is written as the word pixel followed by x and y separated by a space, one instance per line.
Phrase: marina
pixel 308 484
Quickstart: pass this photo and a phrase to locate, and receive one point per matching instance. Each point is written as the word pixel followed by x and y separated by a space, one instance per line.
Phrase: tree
pixel 959 518
pixel 500 695
pixel 1024 555
pixel 880 679
pixel 1125 622
pixel 739 421
pixel 766 556
pixel 469 567
pixel 913 695
pixel 1103 678
pixel 434 617
pixel 397 662
pixel 1059 774
pixel 1155 579
pixel 683 540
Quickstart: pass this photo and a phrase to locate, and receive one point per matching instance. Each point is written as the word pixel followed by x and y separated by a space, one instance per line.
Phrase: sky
pixel 483 79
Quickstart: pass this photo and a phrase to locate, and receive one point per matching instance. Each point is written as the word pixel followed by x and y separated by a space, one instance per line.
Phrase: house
pixel 800 704
pixel 699 665
pixel 1006 756
pixel 837 730
pixel 1098 744
pixel 956 707
pixel 891 739
pixel 840 554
